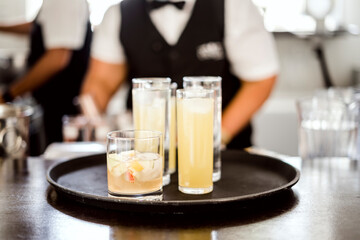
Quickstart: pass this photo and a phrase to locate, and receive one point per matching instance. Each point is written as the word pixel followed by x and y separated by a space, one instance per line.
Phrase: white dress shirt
pixel 250 48
pixel 64 23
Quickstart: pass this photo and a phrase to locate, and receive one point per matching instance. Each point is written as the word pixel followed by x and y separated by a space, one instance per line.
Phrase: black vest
pixel 199 52
pixel 57 94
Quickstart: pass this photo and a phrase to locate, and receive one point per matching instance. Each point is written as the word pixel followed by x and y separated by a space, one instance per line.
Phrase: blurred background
pixel 309 34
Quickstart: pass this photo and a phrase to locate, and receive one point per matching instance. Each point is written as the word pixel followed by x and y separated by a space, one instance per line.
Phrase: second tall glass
pixel 151 111
pixel 211 83
pixel 173 133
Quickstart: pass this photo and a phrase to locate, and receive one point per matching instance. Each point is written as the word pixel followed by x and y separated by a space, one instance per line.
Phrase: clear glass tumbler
pixel 75 128
pixel 328 127
pixel 135 164
pixel 151 111
pixel 212 83
pixel 195 124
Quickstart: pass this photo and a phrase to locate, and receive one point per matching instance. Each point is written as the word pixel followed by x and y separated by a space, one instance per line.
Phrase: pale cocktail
pixel 195 123
pixel 134 172
pixel 173 134
pixel 134 163
pixel 151 111
pixel 212 83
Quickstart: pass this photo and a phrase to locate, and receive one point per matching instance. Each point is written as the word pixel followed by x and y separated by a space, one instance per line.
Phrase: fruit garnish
pixel 135 166
pixel 130 177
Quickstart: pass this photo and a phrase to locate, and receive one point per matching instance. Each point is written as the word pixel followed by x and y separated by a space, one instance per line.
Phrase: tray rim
pixel 85 196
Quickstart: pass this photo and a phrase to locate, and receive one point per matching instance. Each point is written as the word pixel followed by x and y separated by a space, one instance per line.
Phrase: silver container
pixel 14 130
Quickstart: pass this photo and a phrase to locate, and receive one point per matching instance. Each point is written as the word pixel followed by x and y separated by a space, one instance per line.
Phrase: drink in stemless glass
pixel 173 137
pixel 135 164
pixel 151 111
pixel 195 119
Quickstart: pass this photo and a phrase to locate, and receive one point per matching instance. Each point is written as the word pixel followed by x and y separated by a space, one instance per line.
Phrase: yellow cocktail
pixel 195 121
pixel 149 115
pixel 172 149
pixel 151 111
pixel 211 83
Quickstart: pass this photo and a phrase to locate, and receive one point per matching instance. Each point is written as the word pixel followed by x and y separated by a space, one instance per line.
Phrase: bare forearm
pixel 98 92
pixel 102 81
pixel 24 28
pixel 244 105
pixel 49 64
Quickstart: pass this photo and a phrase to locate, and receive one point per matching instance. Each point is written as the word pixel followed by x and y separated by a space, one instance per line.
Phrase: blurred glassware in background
pixel 347 94
pixel 101 126
pixel 92 125
pixel 75 128
pixel 328 124
pixel 80 128
pixel 84 136
pixel 14 131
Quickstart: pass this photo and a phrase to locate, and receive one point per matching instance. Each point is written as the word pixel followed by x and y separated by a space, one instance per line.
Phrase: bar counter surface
pixel 324 204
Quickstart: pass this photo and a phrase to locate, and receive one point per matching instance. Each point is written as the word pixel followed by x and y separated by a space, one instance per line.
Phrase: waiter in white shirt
pixel 57 63
pixel 151 38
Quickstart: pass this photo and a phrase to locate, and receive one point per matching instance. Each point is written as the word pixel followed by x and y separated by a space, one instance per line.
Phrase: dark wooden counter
pixel 324 204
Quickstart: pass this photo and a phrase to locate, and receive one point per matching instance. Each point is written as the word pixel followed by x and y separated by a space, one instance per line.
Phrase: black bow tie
pixel 158 4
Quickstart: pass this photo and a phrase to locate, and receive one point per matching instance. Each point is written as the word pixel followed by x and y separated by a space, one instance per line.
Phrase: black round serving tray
pixel 245 177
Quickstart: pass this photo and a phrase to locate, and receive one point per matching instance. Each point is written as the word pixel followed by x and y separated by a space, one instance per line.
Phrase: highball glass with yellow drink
pixel 195 124
pixel 151 111
pixel 173 134
pixel 212 83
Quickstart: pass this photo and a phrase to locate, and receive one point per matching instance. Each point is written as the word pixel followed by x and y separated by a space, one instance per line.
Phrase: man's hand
pixel 24 28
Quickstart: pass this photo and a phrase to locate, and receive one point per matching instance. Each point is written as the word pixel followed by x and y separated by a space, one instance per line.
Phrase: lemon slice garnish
pixel 136 166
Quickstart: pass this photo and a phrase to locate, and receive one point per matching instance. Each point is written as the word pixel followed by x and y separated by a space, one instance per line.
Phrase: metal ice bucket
pixel 14 130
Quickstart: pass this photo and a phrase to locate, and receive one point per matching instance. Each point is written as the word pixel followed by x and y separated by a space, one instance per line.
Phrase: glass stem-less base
pixel 196 191
pixel 154 196
pixel 166 179
pixel 216 176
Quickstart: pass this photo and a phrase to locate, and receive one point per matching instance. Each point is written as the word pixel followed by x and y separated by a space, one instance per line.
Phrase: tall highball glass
pixel 151 111
pixel 195 124
pixel 212 83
